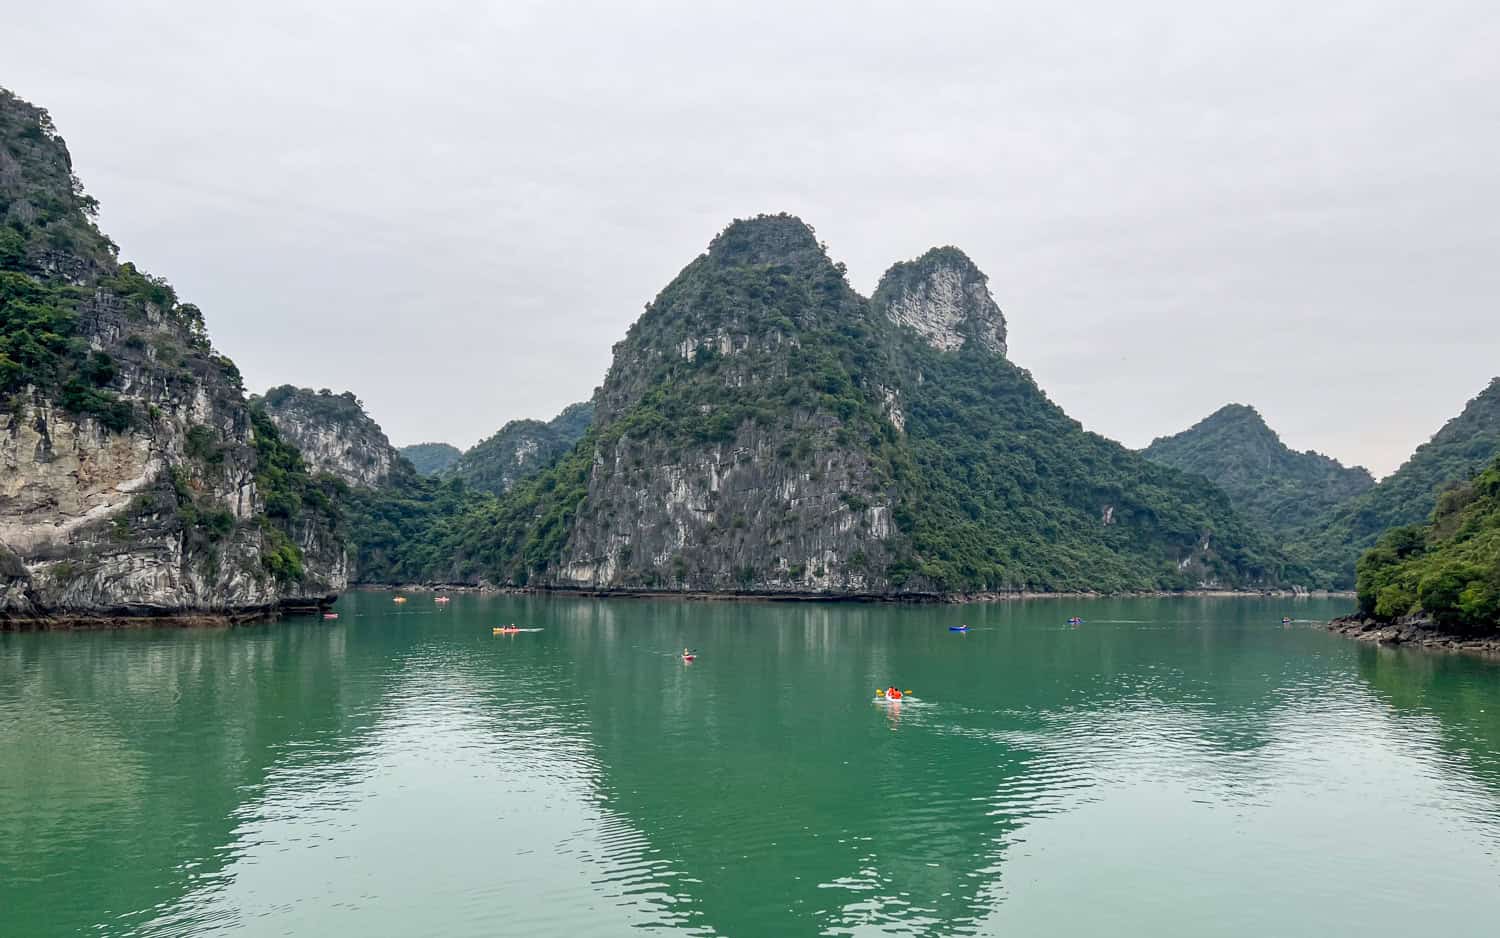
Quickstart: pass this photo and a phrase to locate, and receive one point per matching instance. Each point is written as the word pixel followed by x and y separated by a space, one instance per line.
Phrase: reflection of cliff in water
pixel 1459 693
pixel 137 751
pixel 760 826
pixel 777 798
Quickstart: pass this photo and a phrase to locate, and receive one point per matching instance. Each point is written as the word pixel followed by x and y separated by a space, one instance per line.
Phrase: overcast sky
pixel 456 208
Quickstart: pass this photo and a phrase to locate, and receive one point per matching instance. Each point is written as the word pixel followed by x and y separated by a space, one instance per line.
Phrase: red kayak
pixel 689 657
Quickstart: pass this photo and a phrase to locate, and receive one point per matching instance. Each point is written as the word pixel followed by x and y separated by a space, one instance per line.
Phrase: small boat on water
pixel 958 628
pixel 440 599
pixel 330 615
pixel 505 630
pixel 1075 621
pixel 399 599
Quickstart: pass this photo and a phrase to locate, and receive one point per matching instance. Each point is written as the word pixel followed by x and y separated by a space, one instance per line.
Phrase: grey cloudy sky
pixel 456 208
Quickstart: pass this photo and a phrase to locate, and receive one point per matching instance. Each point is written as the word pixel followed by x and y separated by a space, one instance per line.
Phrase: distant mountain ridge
pixel 1331 543
pixel 430 459
pixel 519 450
pixel 1269 483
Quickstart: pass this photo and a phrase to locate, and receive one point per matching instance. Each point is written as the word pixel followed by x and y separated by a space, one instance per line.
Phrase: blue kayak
pixel 958 628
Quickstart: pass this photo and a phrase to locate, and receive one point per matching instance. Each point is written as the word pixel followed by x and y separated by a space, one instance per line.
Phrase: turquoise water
pixel 1172 767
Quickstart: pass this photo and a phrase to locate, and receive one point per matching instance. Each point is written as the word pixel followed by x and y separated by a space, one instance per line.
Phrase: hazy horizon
pixel 455 211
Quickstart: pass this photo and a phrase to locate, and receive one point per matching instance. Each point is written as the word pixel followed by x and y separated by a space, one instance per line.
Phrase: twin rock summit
pixel 763 428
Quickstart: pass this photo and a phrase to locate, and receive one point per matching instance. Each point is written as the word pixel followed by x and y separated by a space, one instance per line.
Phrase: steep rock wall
pixel 333 433
pixel 132 474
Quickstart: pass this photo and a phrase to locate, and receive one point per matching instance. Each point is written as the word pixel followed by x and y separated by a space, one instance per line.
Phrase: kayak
pixel 330 615
pixel 958 628
pixel 689 657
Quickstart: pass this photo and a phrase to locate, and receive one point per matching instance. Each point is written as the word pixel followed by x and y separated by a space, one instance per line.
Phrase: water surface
pixel 1172 767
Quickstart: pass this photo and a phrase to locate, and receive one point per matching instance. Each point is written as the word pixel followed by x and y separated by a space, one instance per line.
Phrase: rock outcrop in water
pixel 1270 484
pixel 1416 632
pixel 765 429
pixel 134 480
pixel 333 433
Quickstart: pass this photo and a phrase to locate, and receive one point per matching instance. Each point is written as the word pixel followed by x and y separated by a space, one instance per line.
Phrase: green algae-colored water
pixel 1183 767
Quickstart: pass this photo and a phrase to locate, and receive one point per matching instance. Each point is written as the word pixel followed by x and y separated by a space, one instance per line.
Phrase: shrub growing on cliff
pixel 39 348
pixel 1448 568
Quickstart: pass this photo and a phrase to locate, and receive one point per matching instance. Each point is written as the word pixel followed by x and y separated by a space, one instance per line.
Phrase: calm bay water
pixel 1172 767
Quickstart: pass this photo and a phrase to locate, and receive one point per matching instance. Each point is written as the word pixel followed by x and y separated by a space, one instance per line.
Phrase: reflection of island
pixel 1457 690
pixel 135 751
pixel 777 800
pixel 583 773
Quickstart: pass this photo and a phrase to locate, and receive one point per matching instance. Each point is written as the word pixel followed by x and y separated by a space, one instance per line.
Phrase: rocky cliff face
pixel 133 478
pixel 333 433
pixel 764 428
pixel 718 463
pixel 945 299
pixel 520 450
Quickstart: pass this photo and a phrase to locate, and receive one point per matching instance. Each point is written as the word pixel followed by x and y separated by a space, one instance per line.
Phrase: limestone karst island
pixel 813 612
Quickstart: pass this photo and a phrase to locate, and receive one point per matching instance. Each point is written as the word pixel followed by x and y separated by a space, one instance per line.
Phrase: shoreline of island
pixel 121 619
pixel 1415 632
pixel 913 598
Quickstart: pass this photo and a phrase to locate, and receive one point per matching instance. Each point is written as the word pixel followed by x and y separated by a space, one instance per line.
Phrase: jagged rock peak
pixel 945 298
pixel 766 239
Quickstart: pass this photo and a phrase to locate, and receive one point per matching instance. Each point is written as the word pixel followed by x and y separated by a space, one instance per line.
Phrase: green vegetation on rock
pixel 1457 453
pixel 519 450
pixel 765 428
pixel 1447 569
pixel 431 459
pixel 1274 486
pixel 1012 493
pixel 103 360
pixel 411 529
